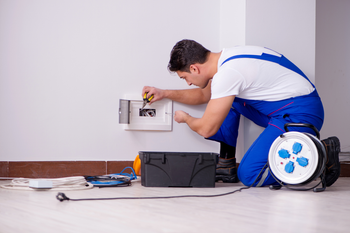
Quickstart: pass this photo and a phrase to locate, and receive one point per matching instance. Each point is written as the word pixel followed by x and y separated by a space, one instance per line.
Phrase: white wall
pixel 65 64
pixel 232 33
pixel 286 26
pixel 333 67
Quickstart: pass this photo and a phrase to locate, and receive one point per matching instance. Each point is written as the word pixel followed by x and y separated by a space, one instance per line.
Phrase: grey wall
pixel 333 67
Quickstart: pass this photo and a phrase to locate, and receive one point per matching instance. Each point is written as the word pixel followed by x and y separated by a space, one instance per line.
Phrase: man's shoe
pixel 332 146
pixel 226 171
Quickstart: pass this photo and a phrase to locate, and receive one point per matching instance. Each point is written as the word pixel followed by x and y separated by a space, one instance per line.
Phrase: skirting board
pixel 55 169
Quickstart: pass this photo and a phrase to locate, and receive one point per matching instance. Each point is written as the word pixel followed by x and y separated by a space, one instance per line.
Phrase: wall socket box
pixel 157 117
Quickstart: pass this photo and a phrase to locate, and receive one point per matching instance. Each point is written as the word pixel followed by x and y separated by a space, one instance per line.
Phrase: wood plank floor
pixel 252 210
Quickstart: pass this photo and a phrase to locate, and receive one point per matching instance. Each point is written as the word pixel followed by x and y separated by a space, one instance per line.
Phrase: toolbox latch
pixel 147 159
pixel 200 161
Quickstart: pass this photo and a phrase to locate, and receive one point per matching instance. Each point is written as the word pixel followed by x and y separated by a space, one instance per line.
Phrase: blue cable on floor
pixel 112 180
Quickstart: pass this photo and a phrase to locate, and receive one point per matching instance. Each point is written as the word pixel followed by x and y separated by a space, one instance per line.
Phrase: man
pixel 252 81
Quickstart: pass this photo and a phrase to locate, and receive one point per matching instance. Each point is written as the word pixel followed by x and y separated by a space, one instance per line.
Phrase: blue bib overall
pixel 272 115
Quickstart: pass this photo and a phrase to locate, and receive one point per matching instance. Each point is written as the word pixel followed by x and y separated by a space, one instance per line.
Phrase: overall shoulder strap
pixel 282 60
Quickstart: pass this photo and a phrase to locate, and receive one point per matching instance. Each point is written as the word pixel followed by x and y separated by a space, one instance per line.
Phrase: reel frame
pixel 311 172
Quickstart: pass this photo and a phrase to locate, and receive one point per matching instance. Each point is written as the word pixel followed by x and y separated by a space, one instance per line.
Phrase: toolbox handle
pixel 148 159
pixel 302 125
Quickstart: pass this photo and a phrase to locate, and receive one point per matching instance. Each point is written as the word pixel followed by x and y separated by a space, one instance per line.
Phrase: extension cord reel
pixel 297 158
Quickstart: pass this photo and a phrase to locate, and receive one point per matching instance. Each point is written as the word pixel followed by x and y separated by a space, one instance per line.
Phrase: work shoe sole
pixel 332 146
pixel 227 179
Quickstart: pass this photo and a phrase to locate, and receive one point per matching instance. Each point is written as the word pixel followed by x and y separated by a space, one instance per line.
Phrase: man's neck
pixel 213 60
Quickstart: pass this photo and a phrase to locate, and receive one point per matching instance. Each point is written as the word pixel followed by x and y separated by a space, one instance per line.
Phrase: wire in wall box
pixel 40 184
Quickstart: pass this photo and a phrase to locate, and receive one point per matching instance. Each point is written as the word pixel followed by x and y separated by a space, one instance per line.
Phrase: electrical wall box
pixel 157 116
pixel 177 169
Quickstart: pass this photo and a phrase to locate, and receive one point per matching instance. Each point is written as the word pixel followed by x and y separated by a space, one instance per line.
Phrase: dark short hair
pixel 185 53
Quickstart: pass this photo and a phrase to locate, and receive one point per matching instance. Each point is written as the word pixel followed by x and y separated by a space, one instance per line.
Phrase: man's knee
pixel 249 177
pixel 245 176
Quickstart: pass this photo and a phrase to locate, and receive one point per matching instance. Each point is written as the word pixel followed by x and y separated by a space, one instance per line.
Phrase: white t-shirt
pixel 256 79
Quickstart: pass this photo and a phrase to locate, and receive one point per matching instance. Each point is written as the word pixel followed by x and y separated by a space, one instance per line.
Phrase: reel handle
pixel 302 125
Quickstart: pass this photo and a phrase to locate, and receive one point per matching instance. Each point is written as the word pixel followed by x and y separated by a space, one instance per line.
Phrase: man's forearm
pixel 198 125
pixel 192 122
pixel 212 118
pixel 193 96
pixel 189 96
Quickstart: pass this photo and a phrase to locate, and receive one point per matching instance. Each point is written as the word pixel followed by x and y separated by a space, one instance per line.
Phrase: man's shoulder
pixel 247 50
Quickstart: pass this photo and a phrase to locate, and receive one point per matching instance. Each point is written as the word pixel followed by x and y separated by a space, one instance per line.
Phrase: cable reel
pixel 296 159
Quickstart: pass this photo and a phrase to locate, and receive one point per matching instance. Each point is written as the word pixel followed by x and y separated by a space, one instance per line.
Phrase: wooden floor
pixel 251 210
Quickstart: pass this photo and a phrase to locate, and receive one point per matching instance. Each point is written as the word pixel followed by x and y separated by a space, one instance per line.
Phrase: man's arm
pixel 213 117
pixel 193 96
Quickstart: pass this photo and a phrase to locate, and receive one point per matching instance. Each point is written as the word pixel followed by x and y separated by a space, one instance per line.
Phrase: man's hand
pixel 156 92
pixel 180 116
pixel 210 122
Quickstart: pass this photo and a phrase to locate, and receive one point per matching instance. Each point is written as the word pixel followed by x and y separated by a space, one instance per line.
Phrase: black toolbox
pixel 177 169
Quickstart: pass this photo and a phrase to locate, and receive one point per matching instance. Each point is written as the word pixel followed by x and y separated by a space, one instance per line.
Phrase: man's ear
pixel 194 69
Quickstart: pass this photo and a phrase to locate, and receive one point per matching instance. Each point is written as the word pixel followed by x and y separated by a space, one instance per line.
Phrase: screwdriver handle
pixel 145 97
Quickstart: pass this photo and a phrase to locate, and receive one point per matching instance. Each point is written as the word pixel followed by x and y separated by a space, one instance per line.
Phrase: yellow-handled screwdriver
pixel 146 100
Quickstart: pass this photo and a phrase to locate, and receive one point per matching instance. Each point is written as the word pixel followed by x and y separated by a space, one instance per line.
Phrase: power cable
pixel 63 197
pixel 58 184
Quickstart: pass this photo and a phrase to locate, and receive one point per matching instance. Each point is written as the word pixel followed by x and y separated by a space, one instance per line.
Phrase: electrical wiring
pixel 113 180
pixel 58 184
pixel 73 182
pixel 62 197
